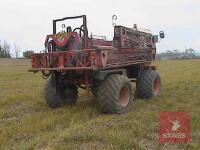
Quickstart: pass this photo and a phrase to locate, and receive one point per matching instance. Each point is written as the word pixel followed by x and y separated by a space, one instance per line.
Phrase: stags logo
pixel 174 127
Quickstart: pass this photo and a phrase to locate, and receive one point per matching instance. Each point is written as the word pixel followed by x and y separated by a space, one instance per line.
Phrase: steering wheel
pixel 81 31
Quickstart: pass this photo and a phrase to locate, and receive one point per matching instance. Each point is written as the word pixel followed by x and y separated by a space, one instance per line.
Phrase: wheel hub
pixel 124 96
pixel 156 87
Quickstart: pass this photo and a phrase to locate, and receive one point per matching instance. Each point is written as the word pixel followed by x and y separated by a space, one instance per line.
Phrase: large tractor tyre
pixel 64 95
pixel 148 84
pixel 115 94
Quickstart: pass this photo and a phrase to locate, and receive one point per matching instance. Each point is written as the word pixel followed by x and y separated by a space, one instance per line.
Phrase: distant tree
pixel 190 52
pixel 4 49
pixel 176 51
pixel 169 52
pixel 17 50
pixel 27 54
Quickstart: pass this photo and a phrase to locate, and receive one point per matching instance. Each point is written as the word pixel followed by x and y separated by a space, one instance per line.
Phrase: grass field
pixel 27 123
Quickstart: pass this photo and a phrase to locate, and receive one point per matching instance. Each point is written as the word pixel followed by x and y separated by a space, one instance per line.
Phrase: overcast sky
pixel 27 22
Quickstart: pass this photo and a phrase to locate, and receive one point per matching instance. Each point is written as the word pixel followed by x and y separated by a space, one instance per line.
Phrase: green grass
pixel 27 123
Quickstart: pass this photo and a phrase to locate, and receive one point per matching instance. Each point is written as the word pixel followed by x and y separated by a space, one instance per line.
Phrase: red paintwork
pixel 62 39
pixel 100 42
pixel 91 58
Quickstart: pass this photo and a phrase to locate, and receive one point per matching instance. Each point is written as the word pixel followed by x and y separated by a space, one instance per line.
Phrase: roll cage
pixel 85 30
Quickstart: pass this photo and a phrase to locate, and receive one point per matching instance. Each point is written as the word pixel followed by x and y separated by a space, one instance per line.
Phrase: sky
pixel 27 22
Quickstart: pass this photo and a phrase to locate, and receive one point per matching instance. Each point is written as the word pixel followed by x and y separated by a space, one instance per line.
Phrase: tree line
pixel 189 53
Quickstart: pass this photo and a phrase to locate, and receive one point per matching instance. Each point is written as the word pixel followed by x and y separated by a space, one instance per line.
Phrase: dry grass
pixel 27 123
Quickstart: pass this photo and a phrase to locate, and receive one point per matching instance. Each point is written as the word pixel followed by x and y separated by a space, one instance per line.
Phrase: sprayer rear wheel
pixel 148 84
pixel 115 94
